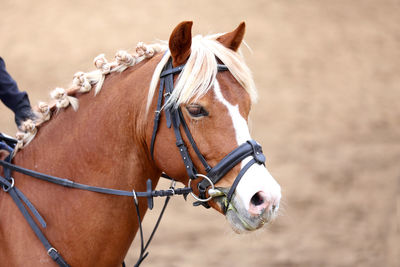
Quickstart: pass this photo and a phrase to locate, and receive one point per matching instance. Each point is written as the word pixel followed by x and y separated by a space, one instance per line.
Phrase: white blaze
pixel 257 178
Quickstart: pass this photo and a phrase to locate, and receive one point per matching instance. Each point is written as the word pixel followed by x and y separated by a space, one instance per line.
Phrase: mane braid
pixel 200 70
pixel 196 78
pixel 82 83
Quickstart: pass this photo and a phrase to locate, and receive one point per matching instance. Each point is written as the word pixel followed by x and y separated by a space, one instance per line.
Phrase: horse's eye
pixel 195 110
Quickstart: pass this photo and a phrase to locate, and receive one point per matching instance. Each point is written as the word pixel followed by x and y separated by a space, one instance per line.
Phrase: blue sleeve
pixel 9 93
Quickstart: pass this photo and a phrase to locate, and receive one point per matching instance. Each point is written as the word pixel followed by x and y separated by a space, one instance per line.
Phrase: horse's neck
pixel 102 144
pixel 105 137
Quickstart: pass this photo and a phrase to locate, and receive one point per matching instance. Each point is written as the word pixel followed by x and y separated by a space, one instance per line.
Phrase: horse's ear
pixel 180 42
pixel 232 40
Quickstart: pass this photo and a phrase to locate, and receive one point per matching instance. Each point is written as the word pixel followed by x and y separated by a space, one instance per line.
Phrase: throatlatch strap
pixel 157 118
pixel 165 78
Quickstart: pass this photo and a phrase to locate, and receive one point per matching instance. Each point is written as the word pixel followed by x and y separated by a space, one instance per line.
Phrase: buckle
pixel 257 151
pixel 50 250
pixel 8 188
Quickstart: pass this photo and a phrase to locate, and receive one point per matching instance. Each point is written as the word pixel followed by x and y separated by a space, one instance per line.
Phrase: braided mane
pixel 196 78
pixel 82 83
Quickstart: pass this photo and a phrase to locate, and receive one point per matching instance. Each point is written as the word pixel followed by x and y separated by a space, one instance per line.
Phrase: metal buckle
pixel 172 187
pixel 171 190
pixel 6 189
pixel 212 188
pixel 50 249
pixel 134 196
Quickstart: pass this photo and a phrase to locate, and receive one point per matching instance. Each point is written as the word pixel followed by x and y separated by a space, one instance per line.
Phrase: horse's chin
pixel 242 222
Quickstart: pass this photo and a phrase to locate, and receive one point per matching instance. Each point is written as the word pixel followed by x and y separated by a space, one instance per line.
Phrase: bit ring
pixel 209 181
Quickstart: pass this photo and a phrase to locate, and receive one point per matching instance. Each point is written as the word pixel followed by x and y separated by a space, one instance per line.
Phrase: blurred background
pixel 328 79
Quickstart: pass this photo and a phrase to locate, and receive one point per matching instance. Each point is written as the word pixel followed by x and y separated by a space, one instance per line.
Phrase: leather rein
pixel 175 119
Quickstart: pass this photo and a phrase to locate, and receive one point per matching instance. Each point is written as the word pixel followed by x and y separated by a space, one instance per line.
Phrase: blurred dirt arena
pixel 327 116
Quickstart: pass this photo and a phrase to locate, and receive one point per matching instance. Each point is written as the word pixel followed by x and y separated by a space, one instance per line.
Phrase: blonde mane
pixel 82 83
pixel 200 71
pixel 196 78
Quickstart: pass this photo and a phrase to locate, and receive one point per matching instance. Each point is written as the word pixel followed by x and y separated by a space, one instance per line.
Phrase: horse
pixel 126 133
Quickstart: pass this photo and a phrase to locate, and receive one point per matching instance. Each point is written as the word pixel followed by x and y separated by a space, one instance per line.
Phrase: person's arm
pixel 14 99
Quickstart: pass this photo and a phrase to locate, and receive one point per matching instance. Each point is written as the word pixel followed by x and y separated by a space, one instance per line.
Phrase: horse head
pixel 212 95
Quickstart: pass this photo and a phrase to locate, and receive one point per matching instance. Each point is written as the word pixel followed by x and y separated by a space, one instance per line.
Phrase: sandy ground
pixel 327 117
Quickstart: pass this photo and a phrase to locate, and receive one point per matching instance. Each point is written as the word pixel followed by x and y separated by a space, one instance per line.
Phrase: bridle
pixel 214 174
pixel 175 119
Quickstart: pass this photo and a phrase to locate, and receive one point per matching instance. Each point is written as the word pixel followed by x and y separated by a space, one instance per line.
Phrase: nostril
pixel 263 203
pixel 258 203
pixel 258 199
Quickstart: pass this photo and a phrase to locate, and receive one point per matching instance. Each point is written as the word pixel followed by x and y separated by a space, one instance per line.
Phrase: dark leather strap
pixel 143 254
pixel 171 70
pixel 250 148
pixel 235 184
pixel 71 184
pixel 190 169
pixel 229 161
pixel 7 185
pixel 207 167
pixel 167 86
pixel 52 252
pixel 156 118
pixel 9 141
pixel 175 118
pixel 168 67
pixel 19 198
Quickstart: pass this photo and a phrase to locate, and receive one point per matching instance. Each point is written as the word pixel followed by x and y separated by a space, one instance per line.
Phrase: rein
pixel 175 119
pixel 7 183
